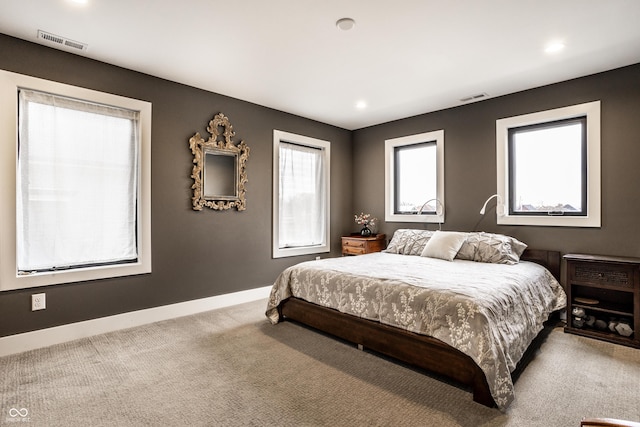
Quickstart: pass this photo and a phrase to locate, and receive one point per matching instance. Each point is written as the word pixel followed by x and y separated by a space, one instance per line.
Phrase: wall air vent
pixel 474 97
pixel 61 41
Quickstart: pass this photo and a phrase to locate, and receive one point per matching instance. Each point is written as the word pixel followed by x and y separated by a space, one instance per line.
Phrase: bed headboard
pixel 549 259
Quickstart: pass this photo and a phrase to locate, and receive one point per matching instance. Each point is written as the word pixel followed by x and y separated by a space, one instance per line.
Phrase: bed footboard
pixel 417 350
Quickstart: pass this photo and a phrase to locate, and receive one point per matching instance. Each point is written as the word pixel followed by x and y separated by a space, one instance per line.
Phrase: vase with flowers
pixel 366 221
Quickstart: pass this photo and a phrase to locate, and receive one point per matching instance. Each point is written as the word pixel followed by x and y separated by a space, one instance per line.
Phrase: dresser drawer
pixel 608 275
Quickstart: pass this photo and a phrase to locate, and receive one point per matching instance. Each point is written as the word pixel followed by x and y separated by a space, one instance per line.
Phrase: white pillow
pixel 444 245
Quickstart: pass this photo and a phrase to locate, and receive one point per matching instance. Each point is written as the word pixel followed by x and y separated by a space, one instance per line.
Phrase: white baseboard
pixel 45 337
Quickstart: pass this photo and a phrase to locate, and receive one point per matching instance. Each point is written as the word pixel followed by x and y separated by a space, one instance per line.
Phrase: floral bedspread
pixel 490 312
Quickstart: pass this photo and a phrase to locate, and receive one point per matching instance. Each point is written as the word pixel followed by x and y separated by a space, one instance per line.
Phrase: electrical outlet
pixel 38 302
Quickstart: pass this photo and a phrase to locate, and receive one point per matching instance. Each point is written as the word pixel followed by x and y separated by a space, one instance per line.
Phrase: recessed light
pixel 554 47
pixel 345 24
pixel 79 1
pixel 361 105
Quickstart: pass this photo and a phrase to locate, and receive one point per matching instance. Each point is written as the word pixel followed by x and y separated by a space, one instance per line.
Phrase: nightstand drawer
pixel 359 243
pixel 608 275
pixel 350 250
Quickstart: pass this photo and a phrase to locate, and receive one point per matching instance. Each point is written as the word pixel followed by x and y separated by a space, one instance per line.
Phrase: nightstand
pixel 358 245
pixel 605 288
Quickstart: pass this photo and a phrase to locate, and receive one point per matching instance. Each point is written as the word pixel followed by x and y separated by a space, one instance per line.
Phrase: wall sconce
pixel 438 212
pixel 499 206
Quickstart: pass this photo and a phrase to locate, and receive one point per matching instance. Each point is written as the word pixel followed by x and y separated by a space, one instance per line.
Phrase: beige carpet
pixel 230 367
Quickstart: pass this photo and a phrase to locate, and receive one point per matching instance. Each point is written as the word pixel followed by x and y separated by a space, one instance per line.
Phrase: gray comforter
pixel 491 312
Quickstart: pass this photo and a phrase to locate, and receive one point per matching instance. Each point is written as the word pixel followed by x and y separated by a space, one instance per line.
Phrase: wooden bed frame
pixel 417 350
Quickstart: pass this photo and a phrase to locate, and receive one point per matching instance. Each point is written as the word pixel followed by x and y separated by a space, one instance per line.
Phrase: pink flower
pixel 365 219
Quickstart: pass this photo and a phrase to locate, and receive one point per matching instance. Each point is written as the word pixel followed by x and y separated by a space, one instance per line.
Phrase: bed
pixel 463 305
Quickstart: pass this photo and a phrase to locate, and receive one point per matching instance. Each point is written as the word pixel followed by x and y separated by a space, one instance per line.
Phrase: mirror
pixel 219 170
pixel 220 175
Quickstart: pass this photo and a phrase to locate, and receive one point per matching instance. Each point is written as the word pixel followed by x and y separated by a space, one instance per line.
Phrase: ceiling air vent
pixel 61 41
pixel 474 97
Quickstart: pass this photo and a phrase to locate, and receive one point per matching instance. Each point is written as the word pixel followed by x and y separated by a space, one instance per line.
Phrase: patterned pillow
pixel 469 247
pixel 491 248
pixel 408 241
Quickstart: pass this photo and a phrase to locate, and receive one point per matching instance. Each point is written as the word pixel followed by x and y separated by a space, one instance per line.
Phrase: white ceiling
pixel 403 57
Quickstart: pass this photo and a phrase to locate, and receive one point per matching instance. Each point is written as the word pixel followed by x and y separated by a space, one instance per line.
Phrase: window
pixel 549 167
pixel 300 195
pixel 561 147
pixel 78 199
pixel 414 178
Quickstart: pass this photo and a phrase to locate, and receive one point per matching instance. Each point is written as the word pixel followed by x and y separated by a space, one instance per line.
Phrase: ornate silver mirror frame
pixel 219 172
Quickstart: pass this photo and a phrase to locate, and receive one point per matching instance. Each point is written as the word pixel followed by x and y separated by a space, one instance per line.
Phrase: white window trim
pixel 325 146
pixel 593 219
pixel 389 171
pixel 9 278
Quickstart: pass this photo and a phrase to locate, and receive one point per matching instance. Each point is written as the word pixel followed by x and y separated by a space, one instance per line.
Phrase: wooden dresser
pixel 607 289
pixel 358 245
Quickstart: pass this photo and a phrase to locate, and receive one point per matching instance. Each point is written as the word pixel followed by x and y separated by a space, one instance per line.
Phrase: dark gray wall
pixel 470 163
pixel 195 254
pixel 201 254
